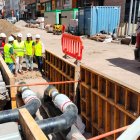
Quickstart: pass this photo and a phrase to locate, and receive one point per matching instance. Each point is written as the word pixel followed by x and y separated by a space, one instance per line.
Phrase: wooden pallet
pixel 9 80
pixel 58 69
pixel 106 104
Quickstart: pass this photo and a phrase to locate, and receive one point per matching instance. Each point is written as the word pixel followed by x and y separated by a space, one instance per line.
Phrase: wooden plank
pixel 126 100
pixel 138 105
pixel 108 118
pixel 99 84
pixel 116 121
pixel 100 110
pixel 29 127
pixel 93 111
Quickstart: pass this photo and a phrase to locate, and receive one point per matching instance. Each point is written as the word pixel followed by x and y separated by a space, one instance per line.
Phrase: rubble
pixel 30 25
pixel 7 27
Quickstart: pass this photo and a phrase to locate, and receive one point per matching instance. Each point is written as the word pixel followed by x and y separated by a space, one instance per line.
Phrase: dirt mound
pixel 20 23
pixel 7 28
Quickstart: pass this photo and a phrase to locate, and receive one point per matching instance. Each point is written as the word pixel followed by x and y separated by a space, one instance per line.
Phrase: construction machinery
pixel 58 29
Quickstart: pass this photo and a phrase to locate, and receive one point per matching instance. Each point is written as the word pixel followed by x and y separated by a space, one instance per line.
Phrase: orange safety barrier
pixel 109 133
pixel 72 46
pixel 44 83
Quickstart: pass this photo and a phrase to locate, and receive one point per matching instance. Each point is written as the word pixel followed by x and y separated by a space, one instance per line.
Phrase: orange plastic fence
pixel 72 46
pixel 109 133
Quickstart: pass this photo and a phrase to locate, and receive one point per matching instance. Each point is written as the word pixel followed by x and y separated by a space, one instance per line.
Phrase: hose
pixel 63 122
pixel 32 104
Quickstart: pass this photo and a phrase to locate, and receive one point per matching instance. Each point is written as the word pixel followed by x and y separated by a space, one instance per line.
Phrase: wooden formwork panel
pixel 106 104
pixel 9 80
pixel 58 69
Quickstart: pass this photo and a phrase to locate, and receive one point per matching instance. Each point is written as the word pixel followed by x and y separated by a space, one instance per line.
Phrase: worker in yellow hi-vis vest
pixel 38 51
pixel 29 47
pixel 19 50
pixel 9 53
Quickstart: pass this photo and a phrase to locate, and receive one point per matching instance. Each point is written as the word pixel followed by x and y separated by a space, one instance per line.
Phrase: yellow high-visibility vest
pixel 28 48
pixel 7 55
pixel 38 49
pixel 19 48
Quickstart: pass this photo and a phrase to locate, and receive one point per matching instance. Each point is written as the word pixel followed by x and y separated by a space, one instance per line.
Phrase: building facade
pixel 2 5
pixel 8 8
pixel 11 7
pixel 84 3
pixel 125 8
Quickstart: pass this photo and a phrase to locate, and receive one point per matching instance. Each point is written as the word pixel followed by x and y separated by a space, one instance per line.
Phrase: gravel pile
pixel 20 23
pixel 7 28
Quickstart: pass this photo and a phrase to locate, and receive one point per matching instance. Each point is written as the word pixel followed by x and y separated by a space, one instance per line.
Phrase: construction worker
pixel 2 42
pixel 39 50
pixel 9 53
pixel 29 44
pixel 19 50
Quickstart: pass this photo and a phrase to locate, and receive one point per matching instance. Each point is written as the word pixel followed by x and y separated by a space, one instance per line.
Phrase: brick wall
pixel 117 3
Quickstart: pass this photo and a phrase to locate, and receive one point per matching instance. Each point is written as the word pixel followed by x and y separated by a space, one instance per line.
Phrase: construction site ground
pixel 115 60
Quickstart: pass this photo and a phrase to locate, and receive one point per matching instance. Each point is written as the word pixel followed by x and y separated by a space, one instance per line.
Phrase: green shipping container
pixel 68 14
pixel 52 17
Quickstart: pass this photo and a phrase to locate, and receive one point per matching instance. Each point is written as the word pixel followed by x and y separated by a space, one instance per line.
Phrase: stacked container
pixel 94 19
pixel 53 17
pixel 67 15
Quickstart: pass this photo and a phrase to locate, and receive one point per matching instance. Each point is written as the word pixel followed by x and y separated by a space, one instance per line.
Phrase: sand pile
pixel 7 28
pixel 20 23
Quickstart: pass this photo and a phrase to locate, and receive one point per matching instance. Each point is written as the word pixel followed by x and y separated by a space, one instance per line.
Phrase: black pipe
pixel 32 106
pixel 62 122
pixel 13 115
pixel 57 124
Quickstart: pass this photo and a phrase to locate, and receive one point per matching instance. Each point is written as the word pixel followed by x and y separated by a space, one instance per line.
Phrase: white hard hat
pixel 3 35
pixel 10 38
pixel 28 35
pixel 37 36
pixel 19 35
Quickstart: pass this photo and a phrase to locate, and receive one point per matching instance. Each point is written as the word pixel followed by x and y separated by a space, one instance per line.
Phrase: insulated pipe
pixel 63 122
pixel 32 104
pixel 133 131
pixel 4 96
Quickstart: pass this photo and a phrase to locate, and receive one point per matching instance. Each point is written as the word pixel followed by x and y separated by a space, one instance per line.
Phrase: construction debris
pixel 126 41
pixel 49 28
pixel 98 37
pixel 7 27
pixel 21 23
pixel 30 25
